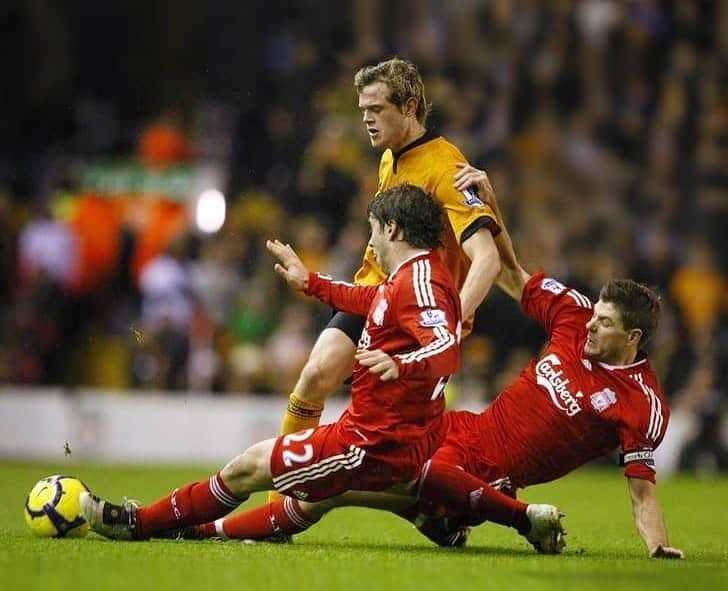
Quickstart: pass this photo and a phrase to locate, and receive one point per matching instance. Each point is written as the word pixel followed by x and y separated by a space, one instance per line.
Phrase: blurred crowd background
pixel 603 126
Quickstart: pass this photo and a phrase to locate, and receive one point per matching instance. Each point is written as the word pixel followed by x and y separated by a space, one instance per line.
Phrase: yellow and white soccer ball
pixel 52 509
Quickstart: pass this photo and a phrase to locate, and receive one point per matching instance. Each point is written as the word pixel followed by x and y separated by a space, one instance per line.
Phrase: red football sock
pixel 198 502
pixel 469 496
pixel 283 516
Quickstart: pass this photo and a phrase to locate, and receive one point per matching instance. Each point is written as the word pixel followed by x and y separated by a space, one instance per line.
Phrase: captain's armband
pixel 643 455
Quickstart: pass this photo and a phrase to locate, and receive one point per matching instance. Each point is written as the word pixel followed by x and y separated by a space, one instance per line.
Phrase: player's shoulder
pixel 642 401
pixel 440 155
pixel 447 148
pixel 425 272
pixel 424 265
pixel 440 272
pixel 539 285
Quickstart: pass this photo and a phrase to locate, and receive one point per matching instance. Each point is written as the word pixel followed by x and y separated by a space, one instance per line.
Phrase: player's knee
pixel 330 363
pixel 240 472
pixel 318 379
pixel 235 471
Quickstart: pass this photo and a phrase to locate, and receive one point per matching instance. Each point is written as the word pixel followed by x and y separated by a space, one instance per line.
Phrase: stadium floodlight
pixel 210 211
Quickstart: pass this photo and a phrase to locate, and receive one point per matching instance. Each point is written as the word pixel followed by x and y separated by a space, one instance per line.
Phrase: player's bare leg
pixel 194 503
pixel 250 471
pixel 330 362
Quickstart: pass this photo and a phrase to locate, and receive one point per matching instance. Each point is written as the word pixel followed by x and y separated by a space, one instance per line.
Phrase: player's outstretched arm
pixel 345 297
pixel 649 520
pixel 289 266
pixel 485 266
pixel 513 277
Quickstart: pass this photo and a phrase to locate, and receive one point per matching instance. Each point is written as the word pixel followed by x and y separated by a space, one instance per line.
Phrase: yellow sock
pixel 300 414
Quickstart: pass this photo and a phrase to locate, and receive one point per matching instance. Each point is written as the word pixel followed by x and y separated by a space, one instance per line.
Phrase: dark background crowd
pixel 603 126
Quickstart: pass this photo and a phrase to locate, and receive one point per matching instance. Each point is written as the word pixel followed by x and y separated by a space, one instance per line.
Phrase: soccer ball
pixel 52 508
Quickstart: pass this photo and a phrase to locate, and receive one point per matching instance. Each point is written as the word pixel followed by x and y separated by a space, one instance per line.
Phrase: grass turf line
pixel 358 549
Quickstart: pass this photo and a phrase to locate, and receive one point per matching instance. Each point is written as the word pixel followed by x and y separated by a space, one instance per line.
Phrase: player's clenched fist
pixel 378 362
pixel 289 266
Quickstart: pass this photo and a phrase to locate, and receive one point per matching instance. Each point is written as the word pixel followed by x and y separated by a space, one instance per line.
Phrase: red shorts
pixel 466 446
pixel 319 463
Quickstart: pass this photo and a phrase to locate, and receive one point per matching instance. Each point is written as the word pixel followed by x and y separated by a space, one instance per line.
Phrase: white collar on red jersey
pixel 407 260
pixel 612 367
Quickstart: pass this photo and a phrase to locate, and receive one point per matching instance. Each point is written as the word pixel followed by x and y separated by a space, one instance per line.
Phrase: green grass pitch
pixel 355 549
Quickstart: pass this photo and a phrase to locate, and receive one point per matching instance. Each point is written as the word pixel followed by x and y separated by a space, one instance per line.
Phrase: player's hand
pixel 667 552
pixel 469 176
pixel 378 362
pixel 290 267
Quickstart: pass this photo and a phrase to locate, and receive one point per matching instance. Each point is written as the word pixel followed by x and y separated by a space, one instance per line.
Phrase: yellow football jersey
pixel 429 162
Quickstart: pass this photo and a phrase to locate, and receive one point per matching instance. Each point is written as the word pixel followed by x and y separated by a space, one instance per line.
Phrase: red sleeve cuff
pixel 640 470
pixel 314 282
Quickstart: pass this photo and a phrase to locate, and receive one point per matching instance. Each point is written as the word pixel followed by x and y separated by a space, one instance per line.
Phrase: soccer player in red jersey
pixel 391 97
pixel 408 349
pixel 590 392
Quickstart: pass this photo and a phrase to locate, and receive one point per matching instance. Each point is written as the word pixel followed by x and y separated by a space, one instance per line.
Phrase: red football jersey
pixel 414 316
pixel 564 409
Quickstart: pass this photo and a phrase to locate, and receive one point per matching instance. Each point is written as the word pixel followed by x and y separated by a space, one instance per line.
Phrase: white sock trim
pixel 219 529
pixel 217 491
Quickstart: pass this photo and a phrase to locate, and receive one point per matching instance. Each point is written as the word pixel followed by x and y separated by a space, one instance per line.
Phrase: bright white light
pixel 210 211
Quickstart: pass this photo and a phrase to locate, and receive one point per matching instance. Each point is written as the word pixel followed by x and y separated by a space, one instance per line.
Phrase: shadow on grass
pixel 372 547
pixel 572 554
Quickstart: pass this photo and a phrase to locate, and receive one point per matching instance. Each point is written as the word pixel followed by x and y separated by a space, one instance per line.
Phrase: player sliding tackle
pixel 394 108
pixel 394 422
pixel 591 390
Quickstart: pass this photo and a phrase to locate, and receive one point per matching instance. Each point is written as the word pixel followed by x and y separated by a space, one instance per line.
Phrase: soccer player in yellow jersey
pixel 394 112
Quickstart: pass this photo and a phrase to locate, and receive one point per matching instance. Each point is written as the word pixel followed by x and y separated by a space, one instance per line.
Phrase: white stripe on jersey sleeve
pixel 445 340
pixel 656 418
pixel 416 284
pixel 428 283
pixel 421 279
pixel 579 298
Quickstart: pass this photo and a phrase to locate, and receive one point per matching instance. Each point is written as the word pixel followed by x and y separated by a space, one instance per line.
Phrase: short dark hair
pixel 638 305
pixel 403 80
pixel 416 212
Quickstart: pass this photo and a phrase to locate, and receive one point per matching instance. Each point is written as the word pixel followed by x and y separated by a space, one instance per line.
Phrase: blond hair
pixel 403 81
